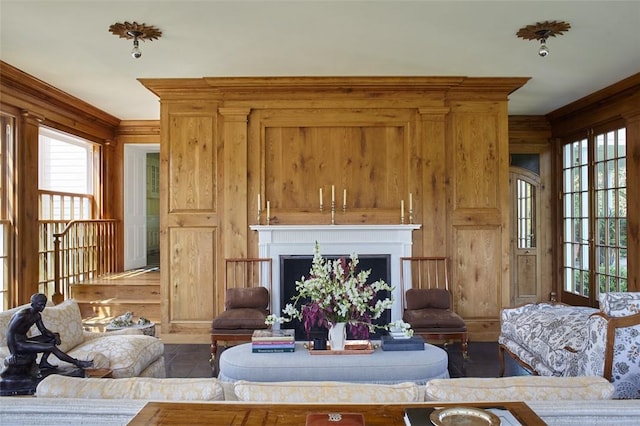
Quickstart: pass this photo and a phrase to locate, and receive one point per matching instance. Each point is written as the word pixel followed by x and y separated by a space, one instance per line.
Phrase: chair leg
pixel 464 342
pixel 501 359
pixel 214 350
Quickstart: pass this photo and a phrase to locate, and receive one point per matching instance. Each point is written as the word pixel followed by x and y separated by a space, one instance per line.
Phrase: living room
pixel 448 144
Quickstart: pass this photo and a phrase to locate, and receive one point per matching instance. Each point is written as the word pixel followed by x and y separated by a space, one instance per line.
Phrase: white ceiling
pixel 67 44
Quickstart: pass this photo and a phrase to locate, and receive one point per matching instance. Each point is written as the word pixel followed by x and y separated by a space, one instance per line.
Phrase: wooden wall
pixel 226 140
pixel 34 103
pixel 618 104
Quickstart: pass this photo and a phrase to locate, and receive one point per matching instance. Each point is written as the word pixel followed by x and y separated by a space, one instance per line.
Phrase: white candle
pixel 410 202
pixel 344 197
pixel 333 193
pixel 259 203
pixel 401 208
pixel 320 196
pixel 268 209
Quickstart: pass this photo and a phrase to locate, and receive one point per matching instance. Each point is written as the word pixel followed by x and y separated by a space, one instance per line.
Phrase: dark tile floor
pixel 193 361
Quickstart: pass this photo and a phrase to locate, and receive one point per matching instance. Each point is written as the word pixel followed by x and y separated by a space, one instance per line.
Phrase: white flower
pixel 334 292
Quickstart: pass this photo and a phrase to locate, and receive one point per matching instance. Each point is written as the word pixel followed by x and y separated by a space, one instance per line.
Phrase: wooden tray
pixel 351 347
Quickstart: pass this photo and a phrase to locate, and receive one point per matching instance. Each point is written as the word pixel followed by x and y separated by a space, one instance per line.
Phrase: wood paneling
pixel 618 104
pixel 192 261
pixel 192 164
pixel 444 140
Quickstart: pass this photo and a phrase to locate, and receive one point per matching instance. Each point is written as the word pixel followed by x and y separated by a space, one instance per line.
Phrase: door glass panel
pixel 526 220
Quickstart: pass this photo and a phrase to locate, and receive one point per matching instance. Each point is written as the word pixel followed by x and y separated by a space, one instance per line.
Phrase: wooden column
pixel 633 200
pixel 234 138
pixel 27 243
pixel 430 199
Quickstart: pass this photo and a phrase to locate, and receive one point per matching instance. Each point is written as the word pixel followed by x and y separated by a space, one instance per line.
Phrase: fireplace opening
pixel 294 267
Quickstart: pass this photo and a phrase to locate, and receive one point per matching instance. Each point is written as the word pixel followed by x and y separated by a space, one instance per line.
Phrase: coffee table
pixel 250 414
pixel 385 367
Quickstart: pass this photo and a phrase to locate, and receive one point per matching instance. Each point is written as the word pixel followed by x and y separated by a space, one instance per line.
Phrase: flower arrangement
pixel 400 327
pixel 336 292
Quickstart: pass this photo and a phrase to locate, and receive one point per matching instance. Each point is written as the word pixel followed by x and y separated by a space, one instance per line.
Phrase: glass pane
pixel 611 173
pixel 622 172
pixel 600 148
pixel 600 175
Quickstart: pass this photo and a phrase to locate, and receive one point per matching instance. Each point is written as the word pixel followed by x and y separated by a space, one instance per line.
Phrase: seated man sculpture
pixel 24 349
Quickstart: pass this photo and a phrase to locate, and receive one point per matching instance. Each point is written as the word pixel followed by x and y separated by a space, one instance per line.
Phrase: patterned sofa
pixel 561 340
pixel 127 352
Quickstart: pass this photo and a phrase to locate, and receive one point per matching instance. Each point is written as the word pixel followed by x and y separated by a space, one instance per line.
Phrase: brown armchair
pixel 247 287
pixel 427 304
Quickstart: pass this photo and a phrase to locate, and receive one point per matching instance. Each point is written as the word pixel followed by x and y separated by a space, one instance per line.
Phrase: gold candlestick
pixel 268 212
pixel 333 212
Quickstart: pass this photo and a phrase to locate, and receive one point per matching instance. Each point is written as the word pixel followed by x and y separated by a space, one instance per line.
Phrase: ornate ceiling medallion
pixel 135 31
pixel 542 31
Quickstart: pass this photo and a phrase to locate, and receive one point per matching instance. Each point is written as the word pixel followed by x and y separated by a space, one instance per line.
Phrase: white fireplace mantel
pixel 283 240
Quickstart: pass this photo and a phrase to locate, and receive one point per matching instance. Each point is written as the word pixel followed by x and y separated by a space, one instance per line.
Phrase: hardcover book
pixel 270 335
pixel 414 343
pixel 271 351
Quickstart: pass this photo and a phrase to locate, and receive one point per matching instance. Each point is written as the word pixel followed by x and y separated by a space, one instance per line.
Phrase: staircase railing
pixel 85 249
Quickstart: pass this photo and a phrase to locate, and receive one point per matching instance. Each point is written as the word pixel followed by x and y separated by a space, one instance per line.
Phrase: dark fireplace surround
pixel 294 267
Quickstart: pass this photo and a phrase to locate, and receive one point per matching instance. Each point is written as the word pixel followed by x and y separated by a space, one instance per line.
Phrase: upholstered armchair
pixel 612 346
pixel 247 301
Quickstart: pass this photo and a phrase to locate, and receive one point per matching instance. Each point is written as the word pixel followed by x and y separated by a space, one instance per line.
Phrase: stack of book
pixel 270 341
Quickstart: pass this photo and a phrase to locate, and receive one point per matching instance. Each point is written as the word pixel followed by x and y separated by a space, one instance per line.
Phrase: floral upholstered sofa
pixel 127 352
pixel 561 340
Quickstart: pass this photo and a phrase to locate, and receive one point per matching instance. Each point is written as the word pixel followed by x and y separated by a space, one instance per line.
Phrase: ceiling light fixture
pixel 542 31
pixel 137 32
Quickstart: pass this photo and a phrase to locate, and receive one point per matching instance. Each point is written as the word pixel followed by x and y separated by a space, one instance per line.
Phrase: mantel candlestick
pixel 333 212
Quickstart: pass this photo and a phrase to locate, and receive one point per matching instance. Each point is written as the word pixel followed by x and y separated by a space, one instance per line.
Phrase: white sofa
pixel 70 400
pixel 560 340
pixel 127 352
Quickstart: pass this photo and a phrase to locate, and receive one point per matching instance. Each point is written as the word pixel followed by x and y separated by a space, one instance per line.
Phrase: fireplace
pixel 389 241
pixel 293 267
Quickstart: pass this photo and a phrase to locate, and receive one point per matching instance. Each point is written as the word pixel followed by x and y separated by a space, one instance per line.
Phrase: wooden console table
pixel 249 414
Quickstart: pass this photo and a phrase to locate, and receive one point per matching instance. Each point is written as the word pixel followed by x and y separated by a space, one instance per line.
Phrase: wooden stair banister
pixel 90 250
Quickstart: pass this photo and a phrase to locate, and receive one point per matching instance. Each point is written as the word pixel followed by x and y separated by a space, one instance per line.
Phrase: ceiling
pixel 68 44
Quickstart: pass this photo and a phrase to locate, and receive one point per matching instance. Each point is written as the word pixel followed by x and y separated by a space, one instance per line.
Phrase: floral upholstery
pixel 327 392
pixel 625 373
pixel 519 388
pixel 155 389
pixel 538 334
pixel 560 340
pixel 127 352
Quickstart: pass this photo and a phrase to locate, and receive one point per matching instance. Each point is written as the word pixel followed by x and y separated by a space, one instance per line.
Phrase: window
pixel 65 176
pixel 7 201
pixel 595 214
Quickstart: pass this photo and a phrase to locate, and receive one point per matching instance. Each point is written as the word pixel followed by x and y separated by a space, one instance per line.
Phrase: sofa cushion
pixel 252 297
pixel 128 355
pixel 519 388
pixel 433 318
pixel 326 392
pixel 540 333
pixel 246 318
pixel 5 317
pixel 419 298
pixel 179 389
pixel 65 319
pixel 620 304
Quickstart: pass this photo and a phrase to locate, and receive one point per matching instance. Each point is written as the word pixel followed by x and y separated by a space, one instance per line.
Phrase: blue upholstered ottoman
pixel 387 367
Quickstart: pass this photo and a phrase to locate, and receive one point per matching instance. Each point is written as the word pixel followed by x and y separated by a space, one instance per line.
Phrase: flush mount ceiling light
pixel 542 31
pixel 135 31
